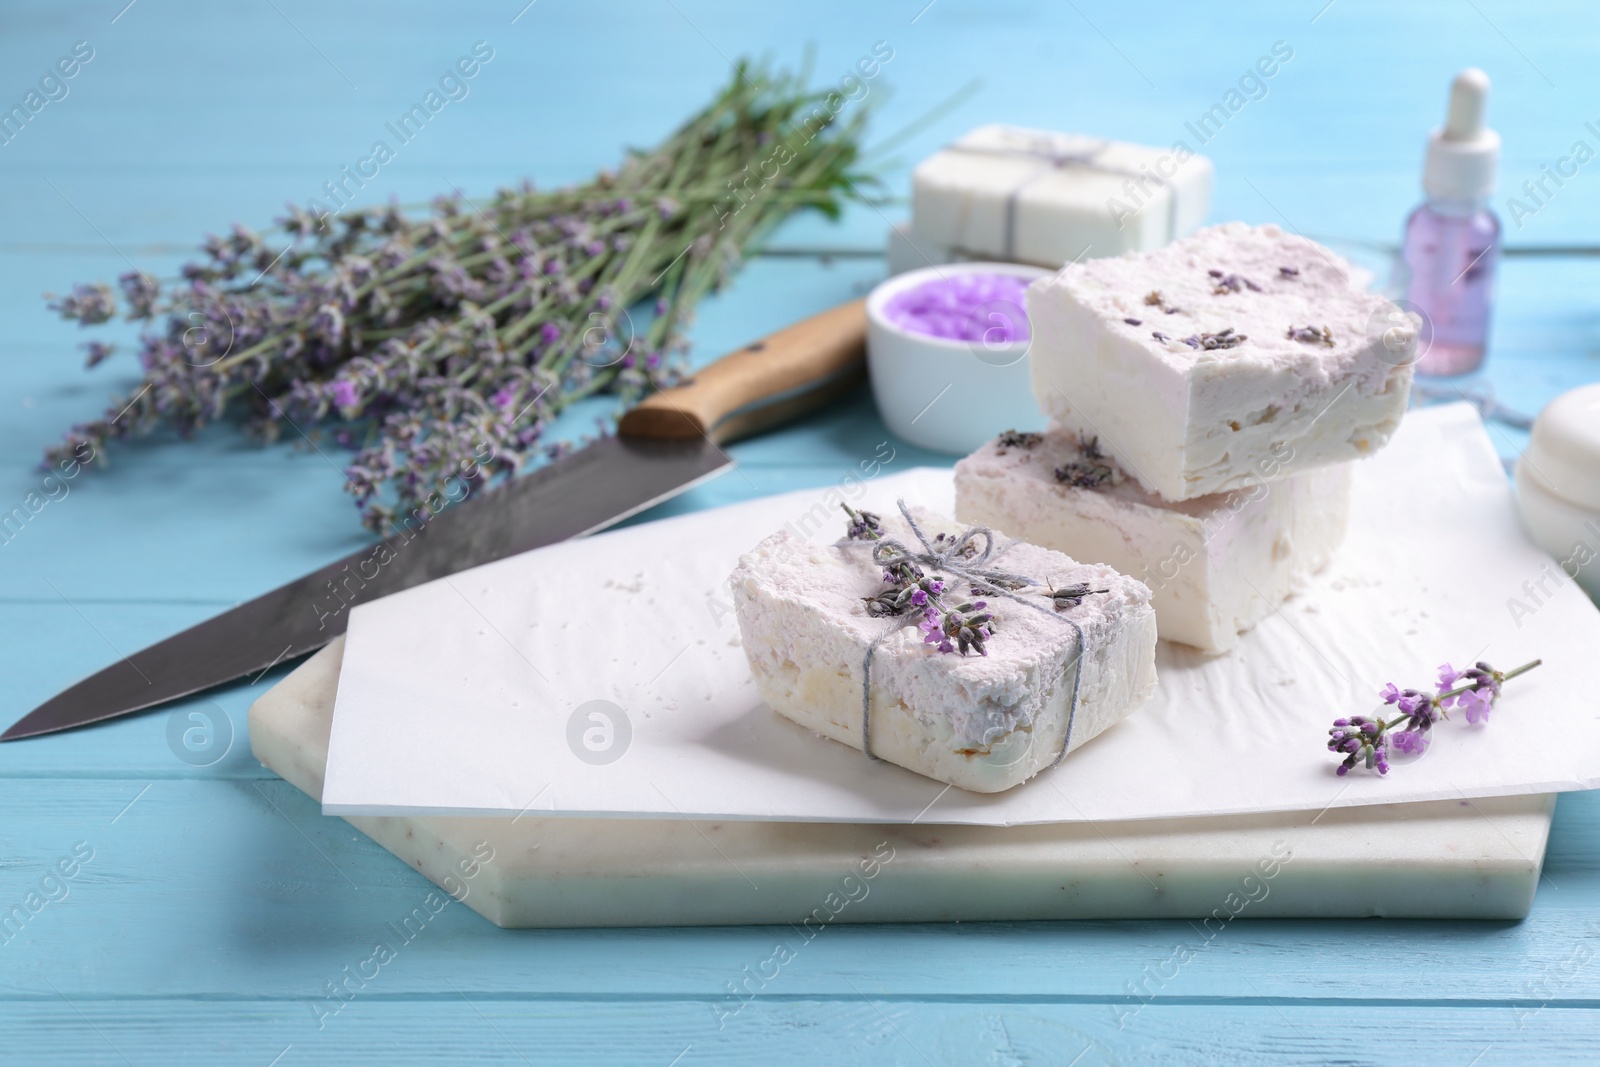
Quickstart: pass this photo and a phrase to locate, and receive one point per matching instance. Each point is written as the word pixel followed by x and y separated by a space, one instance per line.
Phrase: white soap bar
pixel 1217 565
pixel 1049 198
pixel 982 722
pixel 1240 345
pixel 1443 859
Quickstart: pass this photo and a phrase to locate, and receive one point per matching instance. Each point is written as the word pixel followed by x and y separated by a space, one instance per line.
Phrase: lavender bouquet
pixel 438 345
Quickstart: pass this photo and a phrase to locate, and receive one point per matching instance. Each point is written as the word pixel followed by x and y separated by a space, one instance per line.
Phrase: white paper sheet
pixel 460 696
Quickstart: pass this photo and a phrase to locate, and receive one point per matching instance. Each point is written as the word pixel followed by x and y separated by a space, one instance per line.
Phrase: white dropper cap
pixel 1464 155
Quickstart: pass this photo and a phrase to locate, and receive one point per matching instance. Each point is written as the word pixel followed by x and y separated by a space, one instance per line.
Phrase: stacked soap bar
pixel 1201 398
pixel 1191 362
pixel 1033 196
pixel 934 670
pixel 1216 565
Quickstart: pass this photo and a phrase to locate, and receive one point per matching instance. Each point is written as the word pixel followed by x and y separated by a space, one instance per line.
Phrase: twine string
pixel 963 560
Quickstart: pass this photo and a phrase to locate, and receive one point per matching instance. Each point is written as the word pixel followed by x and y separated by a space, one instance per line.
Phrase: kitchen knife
pixel 666 444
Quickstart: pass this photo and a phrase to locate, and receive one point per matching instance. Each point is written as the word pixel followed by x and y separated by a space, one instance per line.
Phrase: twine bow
pixel 1054 156
pixel 960 559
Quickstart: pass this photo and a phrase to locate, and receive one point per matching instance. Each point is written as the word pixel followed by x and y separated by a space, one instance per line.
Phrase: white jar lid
pixel 1563 454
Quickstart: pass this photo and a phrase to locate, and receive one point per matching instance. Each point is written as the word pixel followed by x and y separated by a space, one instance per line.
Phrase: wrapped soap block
pixel 1193 362
pixel 969 657
pixel 1216 565
pixel 1006 193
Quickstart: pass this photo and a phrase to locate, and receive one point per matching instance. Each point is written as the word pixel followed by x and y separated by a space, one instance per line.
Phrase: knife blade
pixel 668 443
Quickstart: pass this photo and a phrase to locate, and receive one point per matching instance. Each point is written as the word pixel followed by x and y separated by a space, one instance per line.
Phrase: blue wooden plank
pixel 204 927
pixel 853 1028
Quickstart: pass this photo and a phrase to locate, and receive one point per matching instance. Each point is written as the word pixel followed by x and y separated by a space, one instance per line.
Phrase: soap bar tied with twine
pixel 1056 153
pixel 913 591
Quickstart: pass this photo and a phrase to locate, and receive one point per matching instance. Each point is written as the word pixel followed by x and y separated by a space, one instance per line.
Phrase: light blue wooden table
pixel 218 903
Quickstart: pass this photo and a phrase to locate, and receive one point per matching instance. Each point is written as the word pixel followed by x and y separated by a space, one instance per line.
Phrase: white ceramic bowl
pixel 942 394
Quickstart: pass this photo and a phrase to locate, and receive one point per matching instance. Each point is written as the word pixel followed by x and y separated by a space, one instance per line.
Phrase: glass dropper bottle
pixel 1452 241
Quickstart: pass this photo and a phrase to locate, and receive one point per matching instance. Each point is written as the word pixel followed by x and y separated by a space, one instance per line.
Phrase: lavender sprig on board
pixel 438 345
pixel 1367 740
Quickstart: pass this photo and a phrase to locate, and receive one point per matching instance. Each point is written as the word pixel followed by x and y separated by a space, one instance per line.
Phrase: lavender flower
pixel 1009 439
pixel 87 305
pixel 864 526
pixel 1231 283
pixel 1477 704
pixel 961 629
pixel 1485 678
pixel 441 344
pixel 343 394
pixel 1311 335
pixel 141 291
pixel 1070 596
pixel 1410 701
pixel 1447 677
pixel 1362 739
pixel 1210 342
pixel 1411 742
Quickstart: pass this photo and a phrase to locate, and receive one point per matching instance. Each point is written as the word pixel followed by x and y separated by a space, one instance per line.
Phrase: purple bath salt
pixel 963 306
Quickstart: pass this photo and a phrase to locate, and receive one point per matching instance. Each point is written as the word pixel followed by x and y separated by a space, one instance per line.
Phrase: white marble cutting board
pixel 1442 859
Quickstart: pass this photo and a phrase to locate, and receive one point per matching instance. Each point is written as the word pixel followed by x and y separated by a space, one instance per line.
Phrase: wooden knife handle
pixel 796 370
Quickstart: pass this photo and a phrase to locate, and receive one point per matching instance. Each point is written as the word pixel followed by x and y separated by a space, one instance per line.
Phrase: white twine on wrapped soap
pixel 954 560
pixel 1054 157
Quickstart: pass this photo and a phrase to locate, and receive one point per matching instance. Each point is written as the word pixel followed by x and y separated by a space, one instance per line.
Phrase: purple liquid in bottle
pixel 1452 255
pixel 1452 242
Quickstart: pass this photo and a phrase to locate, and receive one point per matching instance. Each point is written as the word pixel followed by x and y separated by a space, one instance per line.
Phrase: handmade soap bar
pixel 1050 198
pixel 1193 362
pixel 1444 859
pixel 1216 565
pixel 967 684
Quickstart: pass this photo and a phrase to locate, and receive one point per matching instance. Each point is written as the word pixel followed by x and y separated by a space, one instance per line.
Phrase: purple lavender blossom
pixel 434 318
pixel 1485 678
pixel 87 305
pixel 1409 701
pixel 1447 677
pixel 1477 704
pixel 1362 740
pixel 343 393
pixel 1411 742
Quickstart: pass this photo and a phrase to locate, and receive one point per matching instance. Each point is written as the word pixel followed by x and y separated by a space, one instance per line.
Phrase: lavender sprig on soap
pixel 1368 740
pixel 962 628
